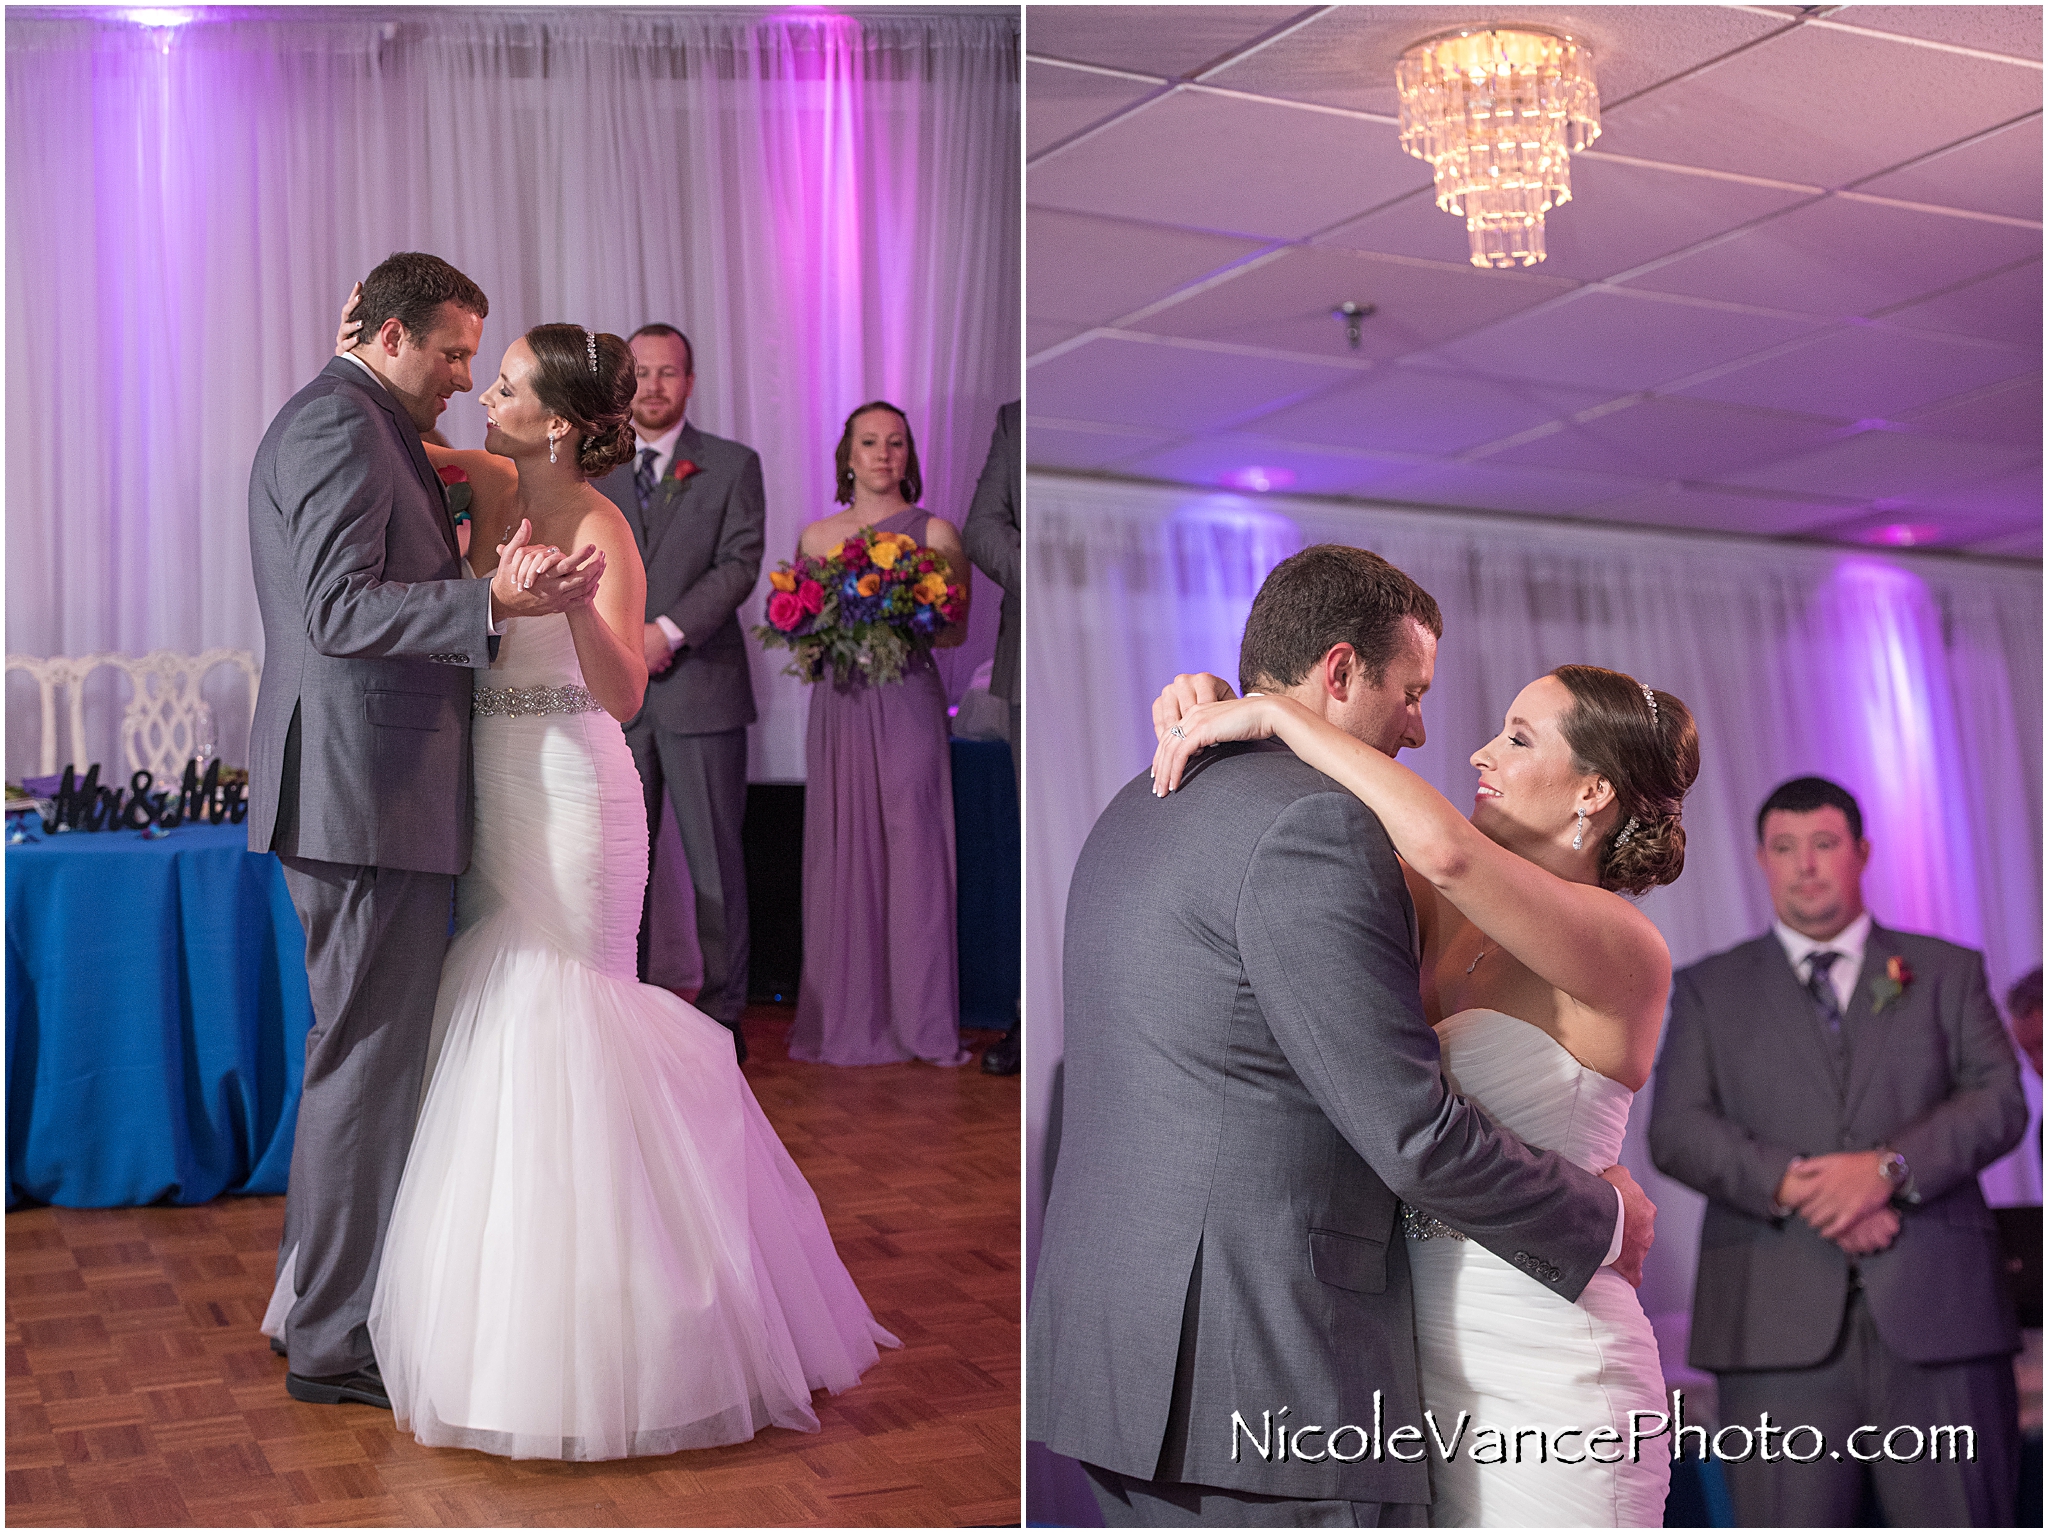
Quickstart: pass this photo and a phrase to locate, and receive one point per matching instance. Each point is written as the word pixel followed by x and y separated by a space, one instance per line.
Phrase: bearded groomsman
pixel 697 510
pixel 1834 1087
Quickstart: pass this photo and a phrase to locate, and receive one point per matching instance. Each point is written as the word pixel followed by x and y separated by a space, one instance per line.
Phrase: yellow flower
pixel 931 590
pixel 869 584
pixel 783 580
pixel 883 551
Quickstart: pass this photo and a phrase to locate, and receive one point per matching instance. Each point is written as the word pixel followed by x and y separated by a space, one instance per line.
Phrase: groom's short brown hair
pixel 1324 596
pixel 410 286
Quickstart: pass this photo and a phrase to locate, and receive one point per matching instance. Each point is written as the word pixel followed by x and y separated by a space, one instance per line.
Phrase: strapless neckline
pixel 1460 1024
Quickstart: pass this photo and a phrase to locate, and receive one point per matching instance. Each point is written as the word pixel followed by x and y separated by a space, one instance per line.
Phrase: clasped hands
pixel 1844 1197
pixel 535 580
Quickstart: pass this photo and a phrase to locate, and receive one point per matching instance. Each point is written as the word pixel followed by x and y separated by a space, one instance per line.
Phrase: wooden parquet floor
pixel 140 1393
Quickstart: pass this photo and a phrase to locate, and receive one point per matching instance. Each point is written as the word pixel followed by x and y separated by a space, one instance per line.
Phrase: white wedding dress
pixel 599 1248
pixel 1496 1344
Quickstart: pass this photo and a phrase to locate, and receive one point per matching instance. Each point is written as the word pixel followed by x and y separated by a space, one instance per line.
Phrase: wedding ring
pixel 1178 733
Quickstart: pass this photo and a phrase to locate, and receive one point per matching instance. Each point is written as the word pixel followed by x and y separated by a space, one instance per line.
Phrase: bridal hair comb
pixel 590 341
pixel 1627 831
pixel 1648 696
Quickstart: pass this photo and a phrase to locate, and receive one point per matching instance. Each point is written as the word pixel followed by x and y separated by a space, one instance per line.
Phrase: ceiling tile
pixel 1093 270
pixel 2009 29
pixel 1043 334
pixel 1605 339
pixel 1674 438
pixel 1477 487
pixel 1821 108
pixel 1055 444
pixel 2000 173
pixel 1346 56
pixel 2014 496
pixel 1868 371
pixel 1838 257
pixel 1888 465
pixel 1704 508
pixel 2005 306
pixel 1410 409
pixel 1205 161
pixel 1166 40
pixel 1285 303
pixel 1174 388
pixel 2009 415
pixel 1064 101
pixel 1620 216
pixel 1221 458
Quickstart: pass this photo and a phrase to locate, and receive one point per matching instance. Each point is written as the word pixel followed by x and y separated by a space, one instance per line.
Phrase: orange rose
pixel 870 583
pixel 783 580
pixel 931 590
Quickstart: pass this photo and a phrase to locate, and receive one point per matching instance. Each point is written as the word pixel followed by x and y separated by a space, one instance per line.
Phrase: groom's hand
pixel 1638 1225
pixel 533 582
pixel 1183 693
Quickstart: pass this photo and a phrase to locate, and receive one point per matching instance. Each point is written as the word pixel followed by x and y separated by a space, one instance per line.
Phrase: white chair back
pixel 162 723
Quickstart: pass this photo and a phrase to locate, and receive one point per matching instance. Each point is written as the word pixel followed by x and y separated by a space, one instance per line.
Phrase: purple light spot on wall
pixel 1903 534
pixel 1258 478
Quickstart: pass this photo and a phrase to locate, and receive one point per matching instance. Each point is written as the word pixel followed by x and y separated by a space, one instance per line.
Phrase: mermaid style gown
pixel 1492 1342
pixel 881 975
pixel 599 1248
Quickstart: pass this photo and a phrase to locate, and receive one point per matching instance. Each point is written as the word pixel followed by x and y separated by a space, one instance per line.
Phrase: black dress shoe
pixel 363 1387
pixel 277 1346
pixel 739 1041
pixel 1002 1057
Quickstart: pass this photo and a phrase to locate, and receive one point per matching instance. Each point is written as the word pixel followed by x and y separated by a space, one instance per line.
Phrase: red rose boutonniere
pixel 1888 989
pixel 683 469
pixel 459 492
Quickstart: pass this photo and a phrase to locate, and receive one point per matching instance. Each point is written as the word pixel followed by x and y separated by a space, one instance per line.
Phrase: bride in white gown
pixel 599 1248
pixel 1548 992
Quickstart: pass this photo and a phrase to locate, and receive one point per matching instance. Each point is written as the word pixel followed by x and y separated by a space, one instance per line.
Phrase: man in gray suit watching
pixel 1250 1086
pixel 359 768
pixel 994 542
pixel 696 507
pixel 1834 1087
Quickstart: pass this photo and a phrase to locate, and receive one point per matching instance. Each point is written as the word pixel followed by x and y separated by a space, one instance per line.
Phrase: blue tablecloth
pixel 989 859
pixel 156 1018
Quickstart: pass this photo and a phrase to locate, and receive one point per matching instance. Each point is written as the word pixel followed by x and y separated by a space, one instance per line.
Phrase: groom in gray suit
pixel 1250 1087
pixel 696 507
pixel 359 768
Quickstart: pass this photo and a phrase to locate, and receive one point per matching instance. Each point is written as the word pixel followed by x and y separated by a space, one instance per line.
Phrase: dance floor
pixel 139 1391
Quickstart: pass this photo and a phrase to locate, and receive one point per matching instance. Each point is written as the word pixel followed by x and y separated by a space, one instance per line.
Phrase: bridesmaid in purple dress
pixel 881 979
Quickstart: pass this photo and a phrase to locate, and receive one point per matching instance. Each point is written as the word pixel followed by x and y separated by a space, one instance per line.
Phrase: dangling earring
pixel 551 447
pixel 1580 839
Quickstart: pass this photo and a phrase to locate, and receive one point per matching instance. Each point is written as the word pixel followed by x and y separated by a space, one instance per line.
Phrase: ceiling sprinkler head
pixel 1352 314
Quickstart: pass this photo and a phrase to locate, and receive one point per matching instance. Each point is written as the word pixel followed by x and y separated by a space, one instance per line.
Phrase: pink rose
pixel 785 610
pixel 811 596
pixel 854 553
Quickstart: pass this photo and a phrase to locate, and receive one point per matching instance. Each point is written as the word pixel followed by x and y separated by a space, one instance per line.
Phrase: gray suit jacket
pixel 701 541
pixel 1746 1081
pixel 360 748
pixel 994 542
pixel 1249 1086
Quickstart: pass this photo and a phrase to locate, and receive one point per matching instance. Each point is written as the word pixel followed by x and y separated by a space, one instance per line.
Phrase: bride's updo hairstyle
pixel 597 400
pixel 1649 756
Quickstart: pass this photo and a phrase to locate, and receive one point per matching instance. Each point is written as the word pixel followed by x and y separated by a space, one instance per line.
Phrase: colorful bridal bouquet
pixel 862 610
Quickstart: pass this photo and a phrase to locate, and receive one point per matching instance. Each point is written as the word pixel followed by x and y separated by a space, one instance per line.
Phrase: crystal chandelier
pixel 1497 113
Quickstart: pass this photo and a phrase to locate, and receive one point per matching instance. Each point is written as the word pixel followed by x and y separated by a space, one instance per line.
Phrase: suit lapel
pixel 1863 1029
pixel 409 435
pixel 664 507
pixel 1790 1008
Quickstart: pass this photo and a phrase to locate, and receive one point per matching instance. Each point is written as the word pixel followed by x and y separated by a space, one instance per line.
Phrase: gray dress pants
pixel 1862 1382
pixel 375 938
pixel 705 776
pixel 1129 1503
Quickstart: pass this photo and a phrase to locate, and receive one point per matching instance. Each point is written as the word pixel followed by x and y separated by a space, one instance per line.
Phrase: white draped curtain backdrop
pixel 827 204
pixel 1914 682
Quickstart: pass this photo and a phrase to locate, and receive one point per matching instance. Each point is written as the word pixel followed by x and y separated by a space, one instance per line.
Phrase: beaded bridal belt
pixel 1417 1225
pixel 523 702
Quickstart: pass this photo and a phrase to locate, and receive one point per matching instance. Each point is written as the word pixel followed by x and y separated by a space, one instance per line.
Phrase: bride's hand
pixel 1247 718
pixel 345 337
pixel 1183 693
